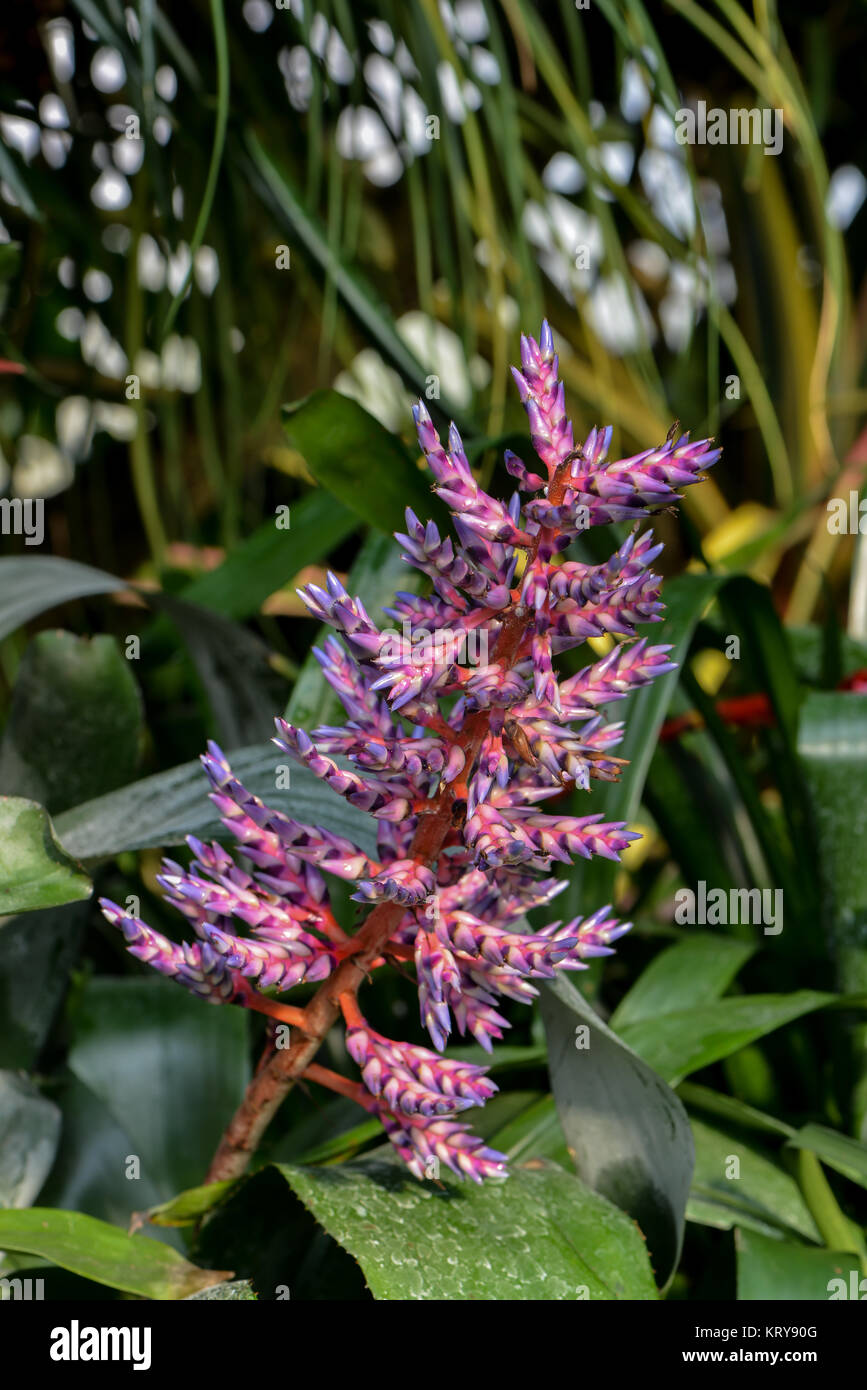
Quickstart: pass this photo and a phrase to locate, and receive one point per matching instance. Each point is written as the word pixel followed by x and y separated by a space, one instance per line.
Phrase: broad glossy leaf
pixel 136 1264
pixel 164 809
pixel 75 723
pixel 169 1069
pixel 629 1132
pixel 694 971
pixel 358 461
pixel 679 1043
pixel 781 1270
pixel 29 1131
pixel 35 869
pixel 539 1235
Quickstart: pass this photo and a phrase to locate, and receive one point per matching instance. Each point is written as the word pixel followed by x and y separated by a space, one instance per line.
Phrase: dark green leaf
pixel 29 1131
pixel 164 809
pixel 75 724
pixel 535 1132
pixel 90 1173
pixel 731 1110
pixel 170 1070
pixel 269 1237
pixel 232 665
pixel 37 951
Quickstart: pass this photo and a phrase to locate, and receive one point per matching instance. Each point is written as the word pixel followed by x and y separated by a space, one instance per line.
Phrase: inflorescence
pixel 453 761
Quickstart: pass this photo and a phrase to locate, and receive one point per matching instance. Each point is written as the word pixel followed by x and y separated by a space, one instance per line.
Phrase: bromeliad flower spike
pixel 454 761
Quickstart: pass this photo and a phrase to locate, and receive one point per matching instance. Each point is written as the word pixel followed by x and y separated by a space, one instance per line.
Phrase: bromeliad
pixel 454 761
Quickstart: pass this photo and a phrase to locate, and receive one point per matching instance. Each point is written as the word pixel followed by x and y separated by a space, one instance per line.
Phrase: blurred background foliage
pixel 210 210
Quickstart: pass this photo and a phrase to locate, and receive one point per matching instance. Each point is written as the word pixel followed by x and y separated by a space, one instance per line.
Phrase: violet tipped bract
pixel 455 762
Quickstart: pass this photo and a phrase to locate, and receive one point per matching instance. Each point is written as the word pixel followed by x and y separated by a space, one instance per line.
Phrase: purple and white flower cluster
pixel 454 762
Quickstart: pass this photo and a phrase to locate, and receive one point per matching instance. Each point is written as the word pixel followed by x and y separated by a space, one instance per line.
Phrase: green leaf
pixel 783 1271
pixel 135 1264
pixel 629 1132
pixel 358 461
pixel 35 870
pixel 679 1043
pixel 761 1195
pixel 846 1155
pixel 696 970
pixel 539 1235
pixel 165 808
pixel 29 1131
pixel 32 584
pixel 169 1070
pixel 37 951
pixel 75 724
